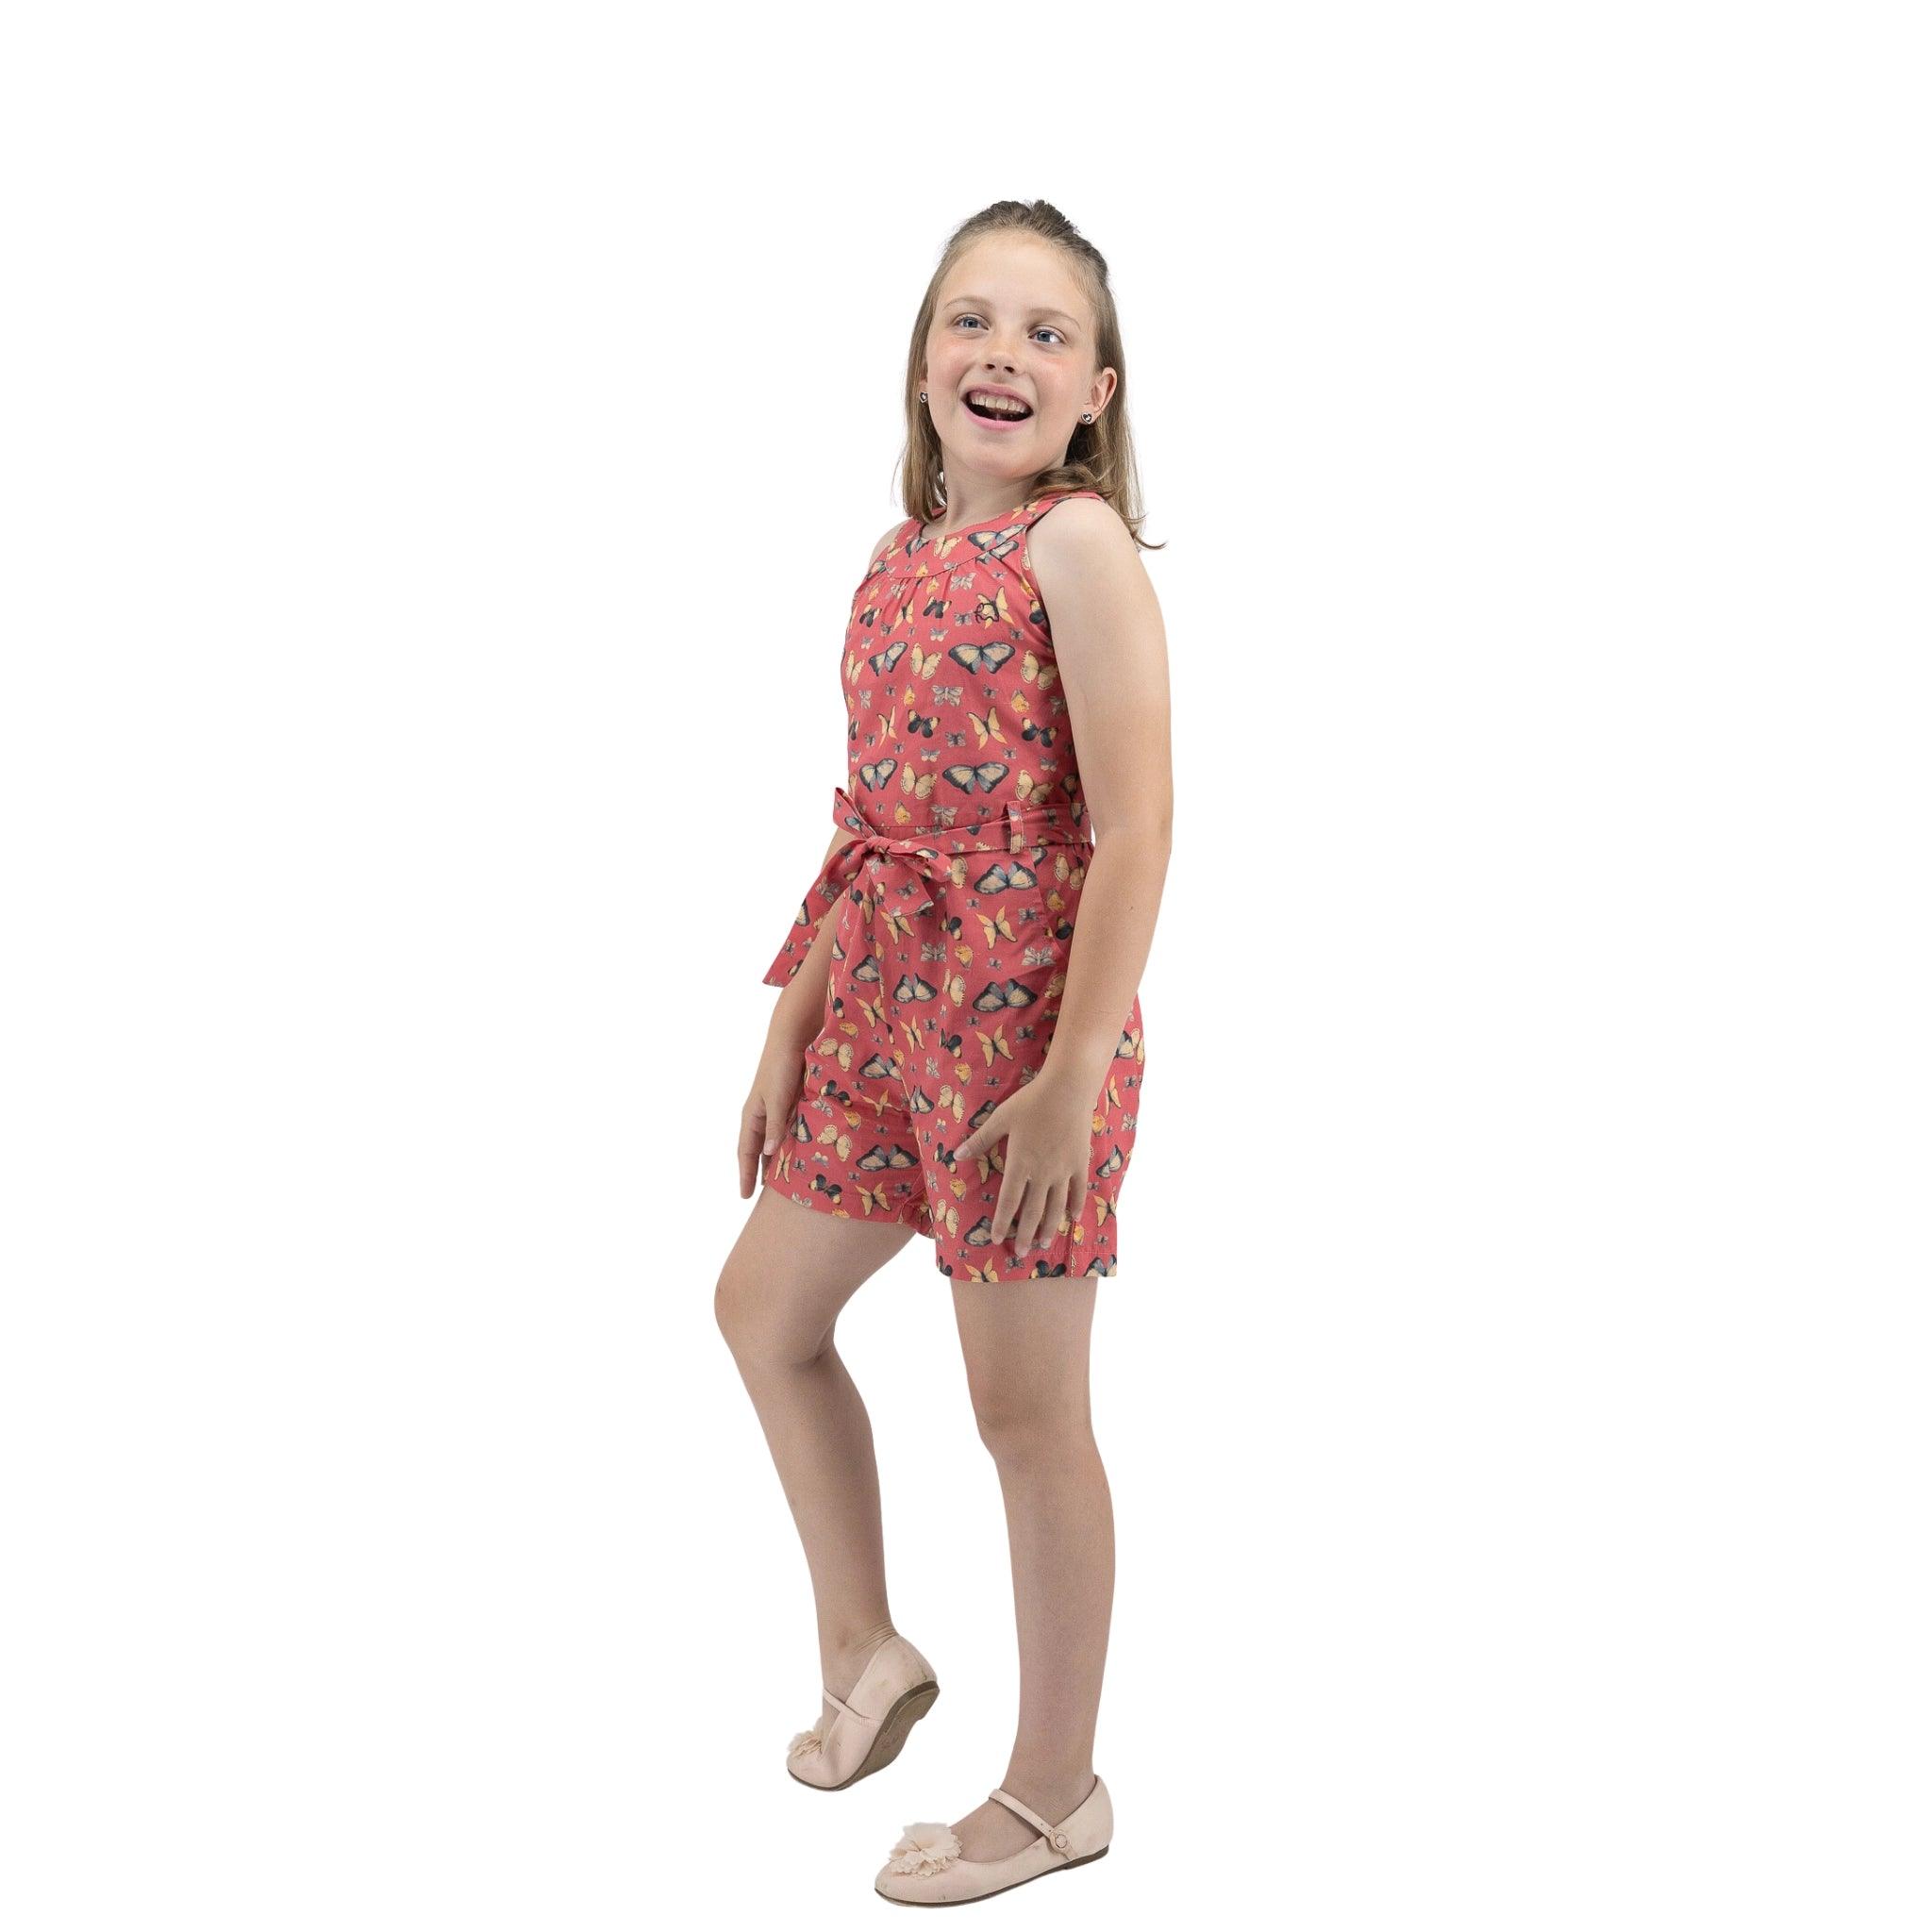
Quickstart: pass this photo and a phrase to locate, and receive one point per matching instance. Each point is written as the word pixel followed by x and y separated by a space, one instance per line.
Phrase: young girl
pixel 957 1051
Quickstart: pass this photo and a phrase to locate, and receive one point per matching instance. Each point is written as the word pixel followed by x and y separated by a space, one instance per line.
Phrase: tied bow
pixel 1014 828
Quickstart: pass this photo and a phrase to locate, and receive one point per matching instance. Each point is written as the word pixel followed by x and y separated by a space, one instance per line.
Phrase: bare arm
pixel 1111 647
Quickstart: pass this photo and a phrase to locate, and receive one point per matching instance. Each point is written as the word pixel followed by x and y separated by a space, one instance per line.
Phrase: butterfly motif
pixel 997 995
pixel 989 727
pixel 968 777
pixel 980 656
pixel 995 924
pixel 878 1157
pixel 994 1045
pixel 911 987
pixel 884 662
pixel 998 543
pixel 919 725
pixel 874 776
pixel 1006 878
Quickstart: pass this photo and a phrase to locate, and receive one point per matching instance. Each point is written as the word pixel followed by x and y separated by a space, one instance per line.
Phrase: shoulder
pixel 1080 535
pixel 881 543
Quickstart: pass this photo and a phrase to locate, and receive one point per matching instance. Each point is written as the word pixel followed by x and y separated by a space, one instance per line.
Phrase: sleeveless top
pixel 956 721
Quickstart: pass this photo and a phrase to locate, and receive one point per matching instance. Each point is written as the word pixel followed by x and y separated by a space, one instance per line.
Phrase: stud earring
pixel 922 395
pixel 1087 417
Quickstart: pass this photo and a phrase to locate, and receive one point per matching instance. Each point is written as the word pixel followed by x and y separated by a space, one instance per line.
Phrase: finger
pixel 982 1137
pixel 750 1132
pixel 1056 1209
pixel 1026 1208
pixel 1013 1210
pixel 1030 1218
pixel 756 1140
pixel 1077 1199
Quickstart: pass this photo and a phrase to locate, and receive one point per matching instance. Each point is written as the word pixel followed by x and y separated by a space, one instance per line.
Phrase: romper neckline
pixel 1006 516
pixel 1022 515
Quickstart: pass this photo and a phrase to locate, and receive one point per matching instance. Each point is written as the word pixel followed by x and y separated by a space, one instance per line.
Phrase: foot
pixel 844 1664
pixel 993 1832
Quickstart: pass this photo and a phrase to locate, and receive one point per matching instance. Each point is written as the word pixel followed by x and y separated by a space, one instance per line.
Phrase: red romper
pixel 957 903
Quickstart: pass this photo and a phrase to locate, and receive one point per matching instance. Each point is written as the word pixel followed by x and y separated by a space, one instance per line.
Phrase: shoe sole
pixel 887 1740
pixel 930 1903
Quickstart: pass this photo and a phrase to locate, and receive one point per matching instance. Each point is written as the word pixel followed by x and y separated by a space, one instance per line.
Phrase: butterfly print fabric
pixel 955 907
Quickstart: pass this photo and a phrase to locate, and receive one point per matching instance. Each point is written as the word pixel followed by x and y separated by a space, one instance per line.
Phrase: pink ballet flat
pixel 867 1731
pixel 926 1868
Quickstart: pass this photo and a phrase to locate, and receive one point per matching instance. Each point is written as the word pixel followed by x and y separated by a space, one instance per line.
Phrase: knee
pixel 757 1327
pixel 1022 1433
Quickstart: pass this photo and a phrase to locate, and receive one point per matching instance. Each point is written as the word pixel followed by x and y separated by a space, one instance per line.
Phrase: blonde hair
pixel 1100 454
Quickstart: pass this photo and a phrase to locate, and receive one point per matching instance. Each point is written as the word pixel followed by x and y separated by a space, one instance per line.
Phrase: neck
pixel 971 502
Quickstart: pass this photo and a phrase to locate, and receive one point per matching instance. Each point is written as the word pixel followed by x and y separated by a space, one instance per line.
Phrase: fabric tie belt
pixel 929 853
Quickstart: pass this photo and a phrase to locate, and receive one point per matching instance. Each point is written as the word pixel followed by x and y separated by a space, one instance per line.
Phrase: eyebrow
pixel 981 302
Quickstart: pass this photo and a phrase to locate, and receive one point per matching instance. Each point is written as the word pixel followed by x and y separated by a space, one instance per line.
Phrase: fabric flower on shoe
pixel 923 1850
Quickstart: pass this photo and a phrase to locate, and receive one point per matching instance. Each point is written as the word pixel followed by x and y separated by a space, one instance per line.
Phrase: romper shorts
pixel 947 968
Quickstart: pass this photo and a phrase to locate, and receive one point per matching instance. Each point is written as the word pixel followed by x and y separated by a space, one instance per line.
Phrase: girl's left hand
pixel 1048 1128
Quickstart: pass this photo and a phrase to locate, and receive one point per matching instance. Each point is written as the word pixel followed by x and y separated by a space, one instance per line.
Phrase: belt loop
pixel 1014 841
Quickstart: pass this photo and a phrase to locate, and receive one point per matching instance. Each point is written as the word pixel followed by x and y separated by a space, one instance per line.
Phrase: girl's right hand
pixel 768 1107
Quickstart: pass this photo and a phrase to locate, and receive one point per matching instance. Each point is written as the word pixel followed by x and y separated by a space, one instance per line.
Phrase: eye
pixel 1046 326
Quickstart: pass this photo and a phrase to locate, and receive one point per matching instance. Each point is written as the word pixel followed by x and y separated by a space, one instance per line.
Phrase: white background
pixel 439 446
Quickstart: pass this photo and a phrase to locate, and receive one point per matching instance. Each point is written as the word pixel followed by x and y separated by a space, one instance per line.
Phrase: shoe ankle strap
pixel 1050 1833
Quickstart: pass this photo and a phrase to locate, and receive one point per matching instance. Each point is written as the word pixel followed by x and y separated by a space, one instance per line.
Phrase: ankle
pixel 1052 1790
pixel 843 1655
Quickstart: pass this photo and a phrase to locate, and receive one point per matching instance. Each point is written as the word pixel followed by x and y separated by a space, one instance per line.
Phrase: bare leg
pixel 778 1297
pixel 1025 1345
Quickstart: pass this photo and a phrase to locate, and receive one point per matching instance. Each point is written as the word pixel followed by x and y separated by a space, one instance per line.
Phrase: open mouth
pixel 996 408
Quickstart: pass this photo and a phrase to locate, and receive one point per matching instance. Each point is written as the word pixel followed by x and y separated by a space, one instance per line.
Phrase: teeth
pixel 1004 405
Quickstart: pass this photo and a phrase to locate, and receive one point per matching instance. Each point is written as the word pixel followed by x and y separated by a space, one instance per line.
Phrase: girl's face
pixel 1011 315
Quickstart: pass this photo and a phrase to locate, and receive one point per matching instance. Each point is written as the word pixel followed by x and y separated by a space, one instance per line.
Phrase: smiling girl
pixel 958 1053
